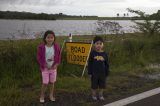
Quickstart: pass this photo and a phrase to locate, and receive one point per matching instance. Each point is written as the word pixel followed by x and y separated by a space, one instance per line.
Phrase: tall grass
pixel 134 52
pixel 18 58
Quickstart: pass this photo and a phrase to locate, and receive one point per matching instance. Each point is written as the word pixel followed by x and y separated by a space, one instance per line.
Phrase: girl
pixel 98 68
pixel 48 57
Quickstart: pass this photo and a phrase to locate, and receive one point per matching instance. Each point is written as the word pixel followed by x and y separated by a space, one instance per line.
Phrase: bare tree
pixel 105 27
pixel 148 26
pixel 117 14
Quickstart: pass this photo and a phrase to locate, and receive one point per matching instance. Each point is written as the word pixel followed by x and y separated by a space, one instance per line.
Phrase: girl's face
pixel 98 45
pixel 50 39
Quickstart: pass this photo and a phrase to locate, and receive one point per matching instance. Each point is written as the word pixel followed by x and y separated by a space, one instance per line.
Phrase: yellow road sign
pixel 77 52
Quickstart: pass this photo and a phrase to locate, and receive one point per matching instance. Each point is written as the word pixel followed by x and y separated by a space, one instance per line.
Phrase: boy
pixel 98 68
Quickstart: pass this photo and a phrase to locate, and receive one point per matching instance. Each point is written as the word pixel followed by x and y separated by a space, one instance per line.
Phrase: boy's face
pixel 98 45
pixel 50 39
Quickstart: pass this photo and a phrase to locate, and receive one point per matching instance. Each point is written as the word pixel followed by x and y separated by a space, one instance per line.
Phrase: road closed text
pixel 77 52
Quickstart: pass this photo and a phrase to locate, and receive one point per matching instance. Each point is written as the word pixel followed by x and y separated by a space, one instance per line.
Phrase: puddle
pixel 153 66
pixel 151 76
pixel 154 76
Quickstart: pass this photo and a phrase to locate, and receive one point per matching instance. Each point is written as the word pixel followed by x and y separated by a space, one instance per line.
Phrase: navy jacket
pixel 98 64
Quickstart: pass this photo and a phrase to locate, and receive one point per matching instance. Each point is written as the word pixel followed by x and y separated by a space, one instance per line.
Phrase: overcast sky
pixel 81 7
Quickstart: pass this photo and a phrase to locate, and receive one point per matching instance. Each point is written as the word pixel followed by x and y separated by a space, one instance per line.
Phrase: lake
pixel 18 29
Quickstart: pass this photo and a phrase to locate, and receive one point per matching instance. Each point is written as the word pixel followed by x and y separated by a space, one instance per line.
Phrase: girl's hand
pixel 55 66
pixel 49 68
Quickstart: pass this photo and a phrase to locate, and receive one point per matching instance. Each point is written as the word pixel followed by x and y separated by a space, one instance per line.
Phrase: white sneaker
pixel 94 98
pixel 41 100
pixel 101 98
pixel 53 99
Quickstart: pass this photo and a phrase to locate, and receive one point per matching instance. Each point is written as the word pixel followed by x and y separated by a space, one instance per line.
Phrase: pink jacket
pixel 41 55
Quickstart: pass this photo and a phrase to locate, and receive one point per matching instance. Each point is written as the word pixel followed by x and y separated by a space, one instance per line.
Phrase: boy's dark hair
pixel 98 38
pixel 46 33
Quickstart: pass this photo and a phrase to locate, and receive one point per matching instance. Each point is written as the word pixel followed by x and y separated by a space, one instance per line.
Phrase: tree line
pixel 41 16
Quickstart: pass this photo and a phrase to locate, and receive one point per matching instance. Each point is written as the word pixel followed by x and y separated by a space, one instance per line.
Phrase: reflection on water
pixel 29 28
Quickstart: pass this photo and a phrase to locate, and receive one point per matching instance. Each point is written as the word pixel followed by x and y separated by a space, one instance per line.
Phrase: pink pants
pixel 49 76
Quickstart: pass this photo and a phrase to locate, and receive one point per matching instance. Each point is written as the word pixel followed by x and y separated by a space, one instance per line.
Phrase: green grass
pixel 72 84
pixel 20 78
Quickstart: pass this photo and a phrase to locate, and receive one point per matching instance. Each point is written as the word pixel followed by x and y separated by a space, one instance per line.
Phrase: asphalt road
pixel 150 101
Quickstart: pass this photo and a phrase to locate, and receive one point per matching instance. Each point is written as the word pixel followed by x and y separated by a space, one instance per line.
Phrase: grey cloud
pixel 110 1
pixel 158 1
pixel 15 4
pixel 52 2
pixel 28 2
pixel 2 2
pixel 117 0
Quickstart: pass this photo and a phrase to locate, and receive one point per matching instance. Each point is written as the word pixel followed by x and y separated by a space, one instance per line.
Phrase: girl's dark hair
pixel 46 33
pixel 98 38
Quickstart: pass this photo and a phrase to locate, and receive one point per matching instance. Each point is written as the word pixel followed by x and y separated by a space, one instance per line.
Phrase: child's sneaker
pixel 53 99
pixel 41 100
pixel 94 98
pixel 101 98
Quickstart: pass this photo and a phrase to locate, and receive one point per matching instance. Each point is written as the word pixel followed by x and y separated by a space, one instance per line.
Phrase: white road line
pixel 135 98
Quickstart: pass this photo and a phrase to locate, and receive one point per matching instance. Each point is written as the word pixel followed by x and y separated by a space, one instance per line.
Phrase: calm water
pixel 29 28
